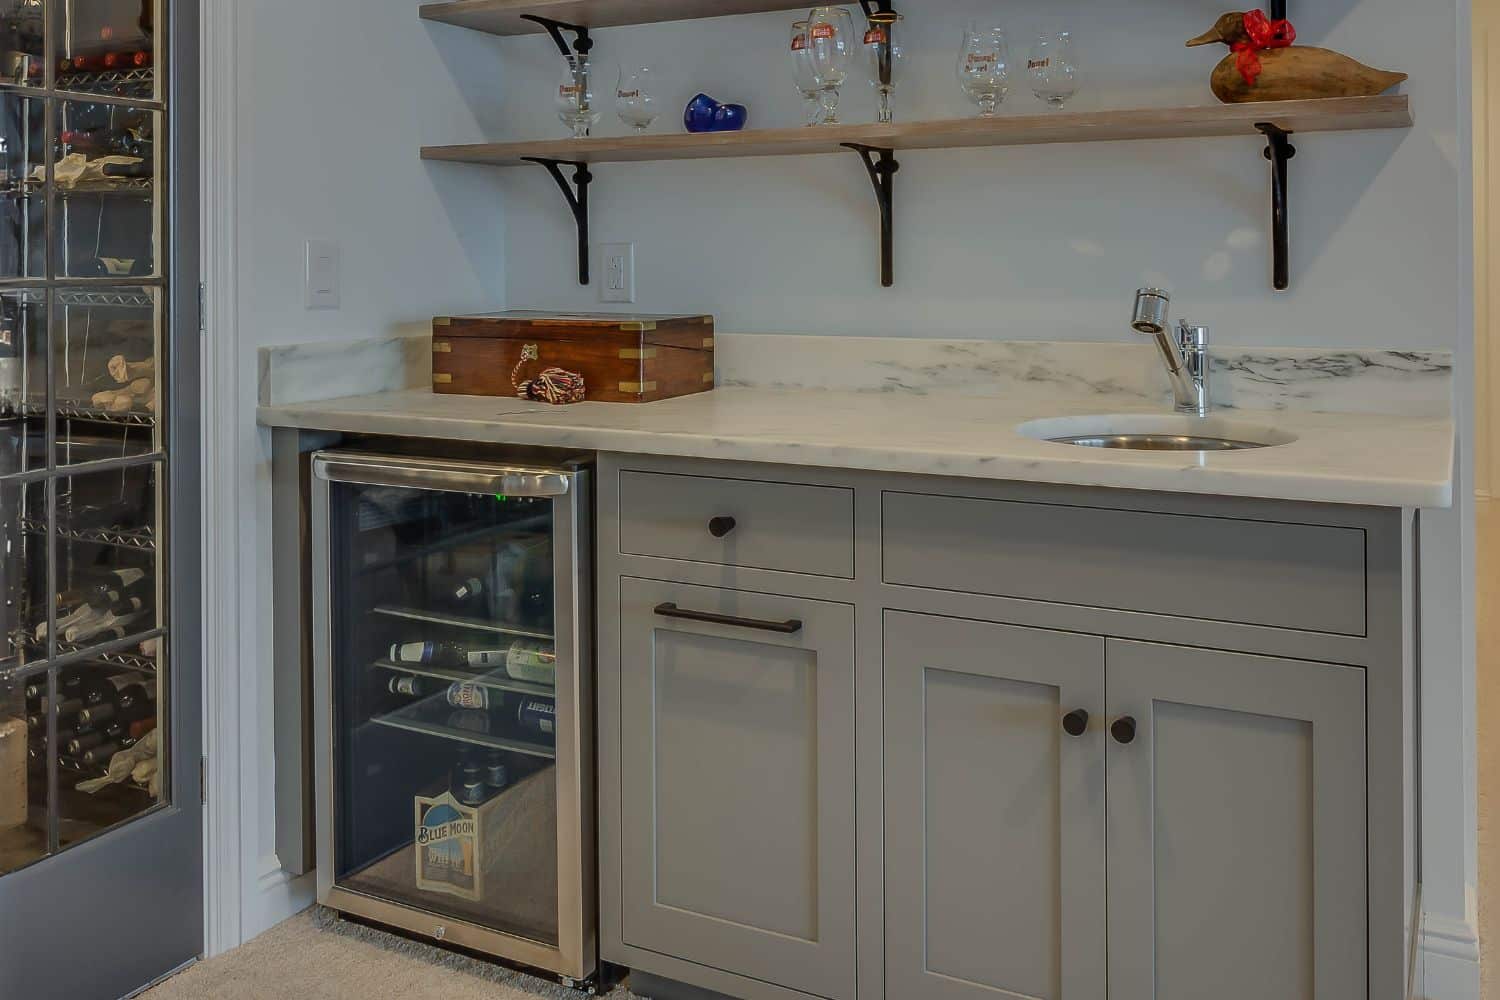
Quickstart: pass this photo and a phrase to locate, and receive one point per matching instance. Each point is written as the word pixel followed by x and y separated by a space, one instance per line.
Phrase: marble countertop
pixel 1354 458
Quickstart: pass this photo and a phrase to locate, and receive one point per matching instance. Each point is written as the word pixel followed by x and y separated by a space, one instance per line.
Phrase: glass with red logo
pixel 805 76
pixel 830 47
pixel 884 56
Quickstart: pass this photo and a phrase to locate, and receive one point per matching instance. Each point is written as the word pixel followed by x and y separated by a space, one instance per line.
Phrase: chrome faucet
pixel 1186 360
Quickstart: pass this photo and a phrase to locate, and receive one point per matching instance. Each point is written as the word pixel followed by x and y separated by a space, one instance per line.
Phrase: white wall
pixel 1050 241
pixel 316 138
pixel 1020 242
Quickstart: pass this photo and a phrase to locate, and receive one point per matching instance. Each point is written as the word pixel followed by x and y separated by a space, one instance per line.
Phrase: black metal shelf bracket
pixel 882 166
pixel 582 43
pixel 576 192
pixel 873 7
pixel 1279 150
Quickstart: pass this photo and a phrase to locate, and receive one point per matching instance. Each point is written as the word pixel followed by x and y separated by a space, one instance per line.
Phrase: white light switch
pixel 619 273
pixel 322 274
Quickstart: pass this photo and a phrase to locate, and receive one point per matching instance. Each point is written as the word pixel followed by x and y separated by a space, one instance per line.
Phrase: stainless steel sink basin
pixel 1156 432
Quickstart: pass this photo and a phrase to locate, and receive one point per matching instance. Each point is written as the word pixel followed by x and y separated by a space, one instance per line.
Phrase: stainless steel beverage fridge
pixel 453 690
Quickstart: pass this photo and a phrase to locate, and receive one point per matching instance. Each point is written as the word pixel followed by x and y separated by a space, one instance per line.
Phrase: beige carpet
pixel 316 956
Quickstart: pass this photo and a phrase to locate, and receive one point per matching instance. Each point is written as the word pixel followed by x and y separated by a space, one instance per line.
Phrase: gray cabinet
pixel 1235 819
pixel 994 831
pixel 737 780
pixel 901 798
pixel 1236 827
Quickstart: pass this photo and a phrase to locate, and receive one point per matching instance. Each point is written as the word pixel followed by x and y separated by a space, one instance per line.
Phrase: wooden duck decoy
pixel 1264 65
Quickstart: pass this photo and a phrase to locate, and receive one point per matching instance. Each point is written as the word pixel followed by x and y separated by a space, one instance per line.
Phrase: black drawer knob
pixel 721 526
pixel 1076 723
pixel 1123 730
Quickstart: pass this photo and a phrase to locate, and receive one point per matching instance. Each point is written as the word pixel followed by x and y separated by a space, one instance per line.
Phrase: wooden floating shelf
pixel 1328 115
pixel 503 17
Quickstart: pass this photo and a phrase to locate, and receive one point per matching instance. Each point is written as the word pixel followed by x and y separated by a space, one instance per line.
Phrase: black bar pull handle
pixel 789 627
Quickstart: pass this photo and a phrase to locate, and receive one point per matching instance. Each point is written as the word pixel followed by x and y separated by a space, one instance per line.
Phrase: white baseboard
pixel 1448 962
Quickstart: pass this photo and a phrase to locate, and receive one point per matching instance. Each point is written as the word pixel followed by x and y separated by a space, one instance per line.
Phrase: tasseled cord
pixel 555 385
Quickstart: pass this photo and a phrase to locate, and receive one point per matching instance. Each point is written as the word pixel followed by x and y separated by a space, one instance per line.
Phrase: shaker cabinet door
pixel 1236 826
pixel 737 761
pixel 995 811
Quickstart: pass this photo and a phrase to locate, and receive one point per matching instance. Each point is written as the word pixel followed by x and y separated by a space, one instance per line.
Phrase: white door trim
pixel 224 689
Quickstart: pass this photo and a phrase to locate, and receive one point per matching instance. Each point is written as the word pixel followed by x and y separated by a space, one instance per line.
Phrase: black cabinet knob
pixel 721 526
pixel 1123 730
pixel 1076 723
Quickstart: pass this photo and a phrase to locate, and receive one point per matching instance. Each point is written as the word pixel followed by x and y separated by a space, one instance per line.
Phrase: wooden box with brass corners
pixel 622 358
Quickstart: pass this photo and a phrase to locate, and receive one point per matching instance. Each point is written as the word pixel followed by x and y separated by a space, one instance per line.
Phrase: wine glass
pixel 575 96
pixel 984 67
pixel 883 56
pixel 805 76
pixel 830 46
pixel 1053 68
pixel 635 97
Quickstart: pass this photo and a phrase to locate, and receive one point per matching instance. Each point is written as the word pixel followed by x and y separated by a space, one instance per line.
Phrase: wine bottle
pixel 69 685
pixel 121 578
pixel 127 698
pixel 143 169
pixel 127 59
pixel 437 654
pixel 66 709
pixel 90 738
pixel 111 623
pixel 100 755
pixel 524 659
pixel 79 604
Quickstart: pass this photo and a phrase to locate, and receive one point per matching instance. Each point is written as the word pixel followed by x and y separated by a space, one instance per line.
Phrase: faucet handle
pixel 1191 338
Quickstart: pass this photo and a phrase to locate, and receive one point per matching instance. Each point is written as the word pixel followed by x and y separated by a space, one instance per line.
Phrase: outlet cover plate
pixel 619 272
pixel 321 274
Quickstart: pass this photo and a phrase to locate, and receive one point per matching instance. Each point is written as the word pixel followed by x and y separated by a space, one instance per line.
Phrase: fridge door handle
pixel 441 476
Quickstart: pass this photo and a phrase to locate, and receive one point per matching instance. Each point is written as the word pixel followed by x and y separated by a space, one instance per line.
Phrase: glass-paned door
pixel 99 727
pixel 454 712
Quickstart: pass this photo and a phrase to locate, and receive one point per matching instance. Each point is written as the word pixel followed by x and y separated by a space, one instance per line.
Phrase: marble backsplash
pixel 1404 383
pixel 305 373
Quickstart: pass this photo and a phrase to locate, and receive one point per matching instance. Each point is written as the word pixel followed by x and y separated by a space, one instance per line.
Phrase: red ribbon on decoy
pixel 1264 34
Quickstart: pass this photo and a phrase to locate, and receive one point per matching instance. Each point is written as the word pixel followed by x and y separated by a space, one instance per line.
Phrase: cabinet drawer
pixel 1298 576
pixel 775 526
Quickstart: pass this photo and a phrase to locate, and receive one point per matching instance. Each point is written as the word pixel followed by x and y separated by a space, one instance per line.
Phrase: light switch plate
pixel 619 273
pixel 321 274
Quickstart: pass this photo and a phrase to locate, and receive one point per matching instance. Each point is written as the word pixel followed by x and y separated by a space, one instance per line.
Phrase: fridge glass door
pixel 444 703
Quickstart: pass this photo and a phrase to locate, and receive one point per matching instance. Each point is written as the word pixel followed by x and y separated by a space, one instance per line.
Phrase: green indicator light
pixel 502 498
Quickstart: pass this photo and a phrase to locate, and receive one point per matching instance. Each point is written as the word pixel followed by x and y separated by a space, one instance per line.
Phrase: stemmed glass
pixel 804 74
pixel 883 56
pixel 984 67
pixel 1053 68
pixel 635 97
pixel 830 46
pixel 575 96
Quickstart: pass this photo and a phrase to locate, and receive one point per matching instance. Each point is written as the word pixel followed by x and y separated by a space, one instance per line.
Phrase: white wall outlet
pixel 619 273
pixel 321 274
